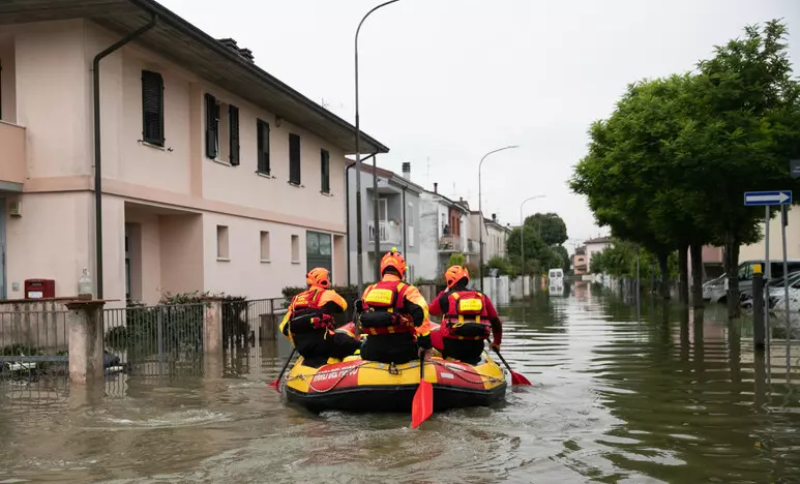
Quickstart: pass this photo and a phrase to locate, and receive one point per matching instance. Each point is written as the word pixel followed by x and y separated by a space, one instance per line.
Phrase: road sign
pixel 777 197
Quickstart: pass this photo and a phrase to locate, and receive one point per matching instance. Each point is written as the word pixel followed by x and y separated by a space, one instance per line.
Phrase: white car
pixel 716 290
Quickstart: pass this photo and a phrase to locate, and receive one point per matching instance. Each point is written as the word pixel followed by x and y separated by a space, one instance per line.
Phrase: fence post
pixel 212 327
pixel 85 322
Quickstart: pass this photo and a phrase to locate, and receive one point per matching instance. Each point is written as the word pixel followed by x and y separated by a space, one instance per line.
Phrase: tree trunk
pixel 732 274
pixel 697 275
pixel 663 289
pixel 683 267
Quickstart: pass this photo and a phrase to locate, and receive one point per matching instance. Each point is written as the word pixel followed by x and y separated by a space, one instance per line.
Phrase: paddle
pixel 277 381
pixel 422 406
pixel 516 378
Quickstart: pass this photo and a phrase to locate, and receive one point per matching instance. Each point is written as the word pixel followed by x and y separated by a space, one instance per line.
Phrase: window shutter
pixel 294 159
pixel 233 122
pixel 325 163
pixel 153 108
pixel 212 123
pixel 263 146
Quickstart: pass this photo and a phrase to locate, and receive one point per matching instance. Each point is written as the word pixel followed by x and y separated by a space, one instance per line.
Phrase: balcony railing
pixel 387 231
pixel 12 144
pixel 451 243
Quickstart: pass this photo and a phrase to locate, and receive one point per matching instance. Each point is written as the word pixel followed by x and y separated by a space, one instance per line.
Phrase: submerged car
pixel 716 290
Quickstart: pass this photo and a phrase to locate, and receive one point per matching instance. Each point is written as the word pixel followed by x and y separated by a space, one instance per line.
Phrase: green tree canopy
pixel 549 226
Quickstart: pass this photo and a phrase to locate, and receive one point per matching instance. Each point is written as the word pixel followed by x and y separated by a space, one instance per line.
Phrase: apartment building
pixel 445 230
pixel 398 204
pixel 205 172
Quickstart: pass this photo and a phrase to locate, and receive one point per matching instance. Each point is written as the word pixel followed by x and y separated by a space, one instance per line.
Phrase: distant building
pixel 398 219
pixel 579 262
pixel 495 244
pixel 444 230
pixel 593 246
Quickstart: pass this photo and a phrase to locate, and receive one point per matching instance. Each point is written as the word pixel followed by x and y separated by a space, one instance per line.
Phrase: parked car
pixel 775 289
pixel 716 290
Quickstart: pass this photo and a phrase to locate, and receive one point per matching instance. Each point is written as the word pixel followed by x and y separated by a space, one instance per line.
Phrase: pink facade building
pixel 215 175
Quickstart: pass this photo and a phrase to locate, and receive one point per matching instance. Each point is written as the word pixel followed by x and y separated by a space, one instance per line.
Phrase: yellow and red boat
pixel 358 385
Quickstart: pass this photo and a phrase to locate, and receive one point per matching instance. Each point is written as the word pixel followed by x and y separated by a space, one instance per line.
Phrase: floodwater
pixel 620 396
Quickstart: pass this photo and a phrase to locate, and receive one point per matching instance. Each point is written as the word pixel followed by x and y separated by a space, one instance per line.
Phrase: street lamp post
pixel 522 230
pixel 480 207
pixel 359 232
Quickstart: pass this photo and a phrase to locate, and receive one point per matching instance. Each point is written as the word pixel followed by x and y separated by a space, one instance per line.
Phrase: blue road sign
pixel 776 197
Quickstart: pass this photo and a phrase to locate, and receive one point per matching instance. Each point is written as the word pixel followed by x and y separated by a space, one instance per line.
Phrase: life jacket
pixel 466 317
pixel 384 309
pixel 307 313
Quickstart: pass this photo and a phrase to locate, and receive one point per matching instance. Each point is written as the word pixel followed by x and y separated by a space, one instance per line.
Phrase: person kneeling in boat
pixel 394 315
pixel 467 319
pixel 309 322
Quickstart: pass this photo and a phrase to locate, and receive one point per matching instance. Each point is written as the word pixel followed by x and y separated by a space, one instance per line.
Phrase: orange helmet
pixel 318 277
pixel 394 259
pixel 455 274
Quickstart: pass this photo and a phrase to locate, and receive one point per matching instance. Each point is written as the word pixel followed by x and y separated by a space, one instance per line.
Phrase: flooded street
pixel 615 399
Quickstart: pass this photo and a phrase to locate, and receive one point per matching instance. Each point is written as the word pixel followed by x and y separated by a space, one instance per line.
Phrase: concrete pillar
pixel 212 341
pixel 85 322
pixel 212 327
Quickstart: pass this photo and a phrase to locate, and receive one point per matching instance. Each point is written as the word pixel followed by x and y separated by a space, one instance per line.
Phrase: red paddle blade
pixel 422 406
pixel 517 379
pixel 275 384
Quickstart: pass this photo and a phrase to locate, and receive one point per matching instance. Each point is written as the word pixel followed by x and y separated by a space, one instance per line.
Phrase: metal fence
pixel 32 343
pixel 155 339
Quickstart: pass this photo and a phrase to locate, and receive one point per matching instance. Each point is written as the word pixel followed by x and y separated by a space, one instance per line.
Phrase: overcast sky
pixel 445 81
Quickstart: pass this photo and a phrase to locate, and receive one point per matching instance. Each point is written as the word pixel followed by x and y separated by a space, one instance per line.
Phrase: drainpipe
pixel 98 179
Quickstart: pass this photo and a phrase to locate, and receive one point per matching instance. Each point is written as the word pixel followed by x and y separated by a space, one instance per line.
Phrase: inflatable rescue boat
pixel 367 386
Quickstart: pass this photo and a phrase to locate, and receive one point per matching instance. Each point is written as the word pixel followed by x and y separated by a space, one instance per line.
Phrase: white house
pixel 444 230
pixel 594 246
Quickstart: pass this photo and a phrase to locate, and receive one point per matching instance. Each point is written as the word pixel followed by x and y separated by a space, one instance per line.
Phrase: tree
pixel 549 226
pixel 538 256
pixel 457 260
pixel 743 129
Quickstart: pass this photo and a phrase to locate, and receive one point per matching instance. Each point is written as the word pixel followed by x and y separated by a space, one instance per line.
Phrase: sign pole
pixel 767 277
pixel 786 290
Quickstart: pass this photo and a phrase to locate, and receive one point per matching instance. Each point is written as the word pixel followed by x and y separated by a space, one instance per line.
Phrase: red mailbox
pixel 40 288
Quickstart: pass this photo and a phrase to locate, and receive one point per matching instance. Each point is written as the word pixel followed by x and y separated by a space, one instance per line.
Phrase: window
pixel 294 159
pixel 264 246
pixel 212 127
pixel 410 230
pixel 223 251
pixel 263 146
pixel 152 108
pixel 233 125
pixel 325 162
pixel 295 249
pixel 319 250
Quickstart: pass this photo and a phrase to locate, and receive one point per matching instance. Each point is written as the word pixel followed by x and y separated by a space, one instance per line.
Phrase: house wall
pixel 592 249
pixel 47 88
pixel 756 251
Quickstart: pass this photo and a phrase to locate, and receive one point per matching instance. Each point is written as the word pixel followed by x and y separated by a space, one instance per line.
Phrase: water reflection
pixel 622 394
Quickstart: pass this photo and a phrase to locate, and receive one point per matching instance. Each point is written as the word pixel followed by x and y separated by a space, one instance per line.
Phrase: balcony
pixel 389 232
pixel 12 156
pixel 451 243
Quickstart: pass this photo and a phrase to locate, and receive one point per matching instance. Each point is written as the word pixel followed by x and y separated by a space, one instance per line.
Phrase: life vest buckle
pixel 393 369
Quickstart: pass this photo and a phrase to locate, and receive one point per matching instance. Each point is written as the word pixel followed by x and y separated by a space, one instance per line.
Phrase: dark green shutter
pixel 233 123
pixel 294 159
pixel 325 165
pixel 153 108
pixel 263 146
pixel 212 122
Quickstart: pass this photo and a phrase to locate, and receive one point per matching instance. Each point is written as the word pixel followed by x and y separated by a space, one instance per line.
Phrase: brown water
pixel 661 399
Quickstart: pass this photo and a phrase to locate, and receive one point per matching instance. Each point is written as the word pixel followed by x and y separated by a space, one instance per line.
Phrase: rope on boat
pixel 457 371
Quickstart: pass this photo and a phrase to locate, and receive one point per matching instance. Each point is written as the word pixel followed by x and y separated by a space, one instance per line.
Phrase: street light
pixel 480 206
pixel 522 230
pixel 359 234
